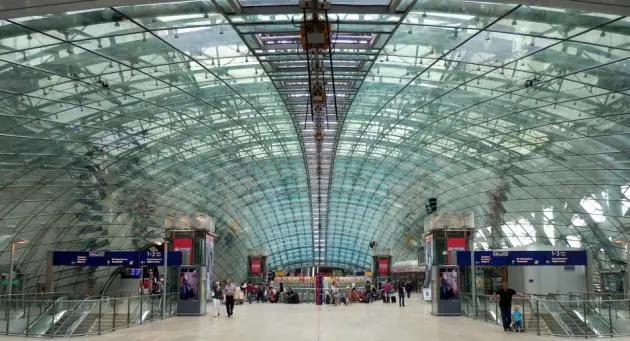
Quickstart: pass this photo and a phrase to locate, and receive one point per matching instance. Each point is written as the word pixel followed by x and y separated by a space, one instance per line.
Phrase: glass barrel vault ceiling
pixel 112 118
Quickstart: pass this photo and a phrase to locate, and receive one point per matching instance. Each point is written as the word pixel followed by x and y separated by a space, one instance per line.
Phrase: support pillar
pixel 257 266
pixel 381 265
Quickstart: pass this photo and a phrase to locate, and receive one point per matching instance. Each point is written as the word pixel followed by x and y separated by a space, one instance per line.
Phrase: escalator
pixel 47 317
pixel 68 322
pixel 576 324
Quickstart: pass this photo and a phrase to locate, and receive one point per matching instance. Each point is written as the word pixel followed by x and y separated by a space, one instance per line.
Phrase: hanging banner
pixel 428 263
pixel 383 266
pixel 255 270
pixel 428 251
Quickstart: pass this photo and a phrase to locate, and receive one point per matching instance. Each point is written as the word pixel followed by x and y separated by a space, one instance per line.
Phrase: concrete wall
pixel 547 279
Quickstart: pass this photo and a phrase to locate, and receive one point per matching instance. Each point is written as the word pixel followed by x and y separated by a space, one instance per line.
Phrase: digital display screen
pixel 131 273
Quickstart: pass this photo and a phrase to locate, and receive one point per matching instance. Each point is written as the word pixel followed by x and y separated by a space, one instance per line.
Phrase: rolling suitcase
pixel 393 299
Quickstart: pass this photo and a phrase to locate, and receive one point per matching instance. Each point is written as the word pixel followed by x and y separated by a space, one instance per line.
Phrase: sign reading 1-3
pixel 115 258
pixel 523 258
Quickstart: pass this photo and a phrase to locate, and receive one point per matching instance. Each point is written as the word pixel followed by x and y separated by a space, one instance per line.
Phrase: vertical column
pixel 257 266
pixel 50 274
pixel 319 289
pixel 590 270
pixel 381 267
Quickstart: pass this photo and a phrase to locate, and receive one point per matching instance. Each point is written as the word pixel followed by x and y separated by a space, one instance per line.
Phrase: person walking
pixel 388 291
pixel 230 290
pixel 504 296
pixel 216 298
pixel 401 294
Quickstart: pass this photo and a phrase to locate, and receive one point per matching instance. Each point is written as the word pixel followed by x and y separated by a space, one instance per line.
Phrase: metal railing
pixel 62 317
pixel 568 315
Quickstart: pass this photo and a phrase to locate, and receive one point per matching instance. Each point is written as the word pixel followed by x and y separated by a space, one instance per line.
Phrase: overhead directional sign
pixel 523 258
pixel 115 258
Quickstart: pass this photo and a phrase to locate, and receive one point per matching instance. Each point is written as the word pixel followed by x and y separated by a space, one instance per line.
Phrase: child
pixel 517 317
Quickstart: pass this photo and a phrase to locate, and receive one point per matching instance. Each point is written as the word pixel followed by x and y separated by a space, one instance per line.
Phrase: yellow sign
pixel 368 274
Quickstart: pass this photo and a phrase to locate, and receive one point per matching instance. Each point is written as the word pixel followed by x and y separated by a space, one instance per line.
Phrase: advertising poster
pixel 383 266
pixel 184 245
pixel 188 284
pixel 255 270
pixel 449 284
pixel 428 260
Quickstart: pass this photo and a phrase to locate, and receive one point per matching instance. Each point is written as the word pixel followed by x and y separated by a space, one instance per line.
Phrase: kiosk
pixel 381 266
pixel 445 233
pixel 192 235
pixel 257 266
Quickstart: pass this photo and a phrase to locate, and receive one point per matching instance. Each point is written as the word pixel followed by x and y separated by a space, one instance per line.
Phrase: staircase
pixel 109 322
pixel 86 324
pixel 531 324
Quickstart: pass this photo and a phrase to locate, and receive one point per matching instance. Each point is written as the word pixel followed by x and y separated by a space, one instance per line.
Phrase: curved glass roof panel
pixel 161 104
pixel 113 118
pixel 448 111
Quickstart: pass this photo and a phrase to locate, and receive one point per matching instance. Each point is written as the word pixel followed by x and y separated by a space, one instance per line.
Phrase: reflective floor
pixel 278 322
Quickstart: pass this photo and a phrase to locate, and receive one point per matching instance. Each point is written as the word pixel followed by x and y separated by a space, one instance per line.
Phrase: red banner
pixel 456 244
pixel 185 245
pixel 383 266
pixel 255 266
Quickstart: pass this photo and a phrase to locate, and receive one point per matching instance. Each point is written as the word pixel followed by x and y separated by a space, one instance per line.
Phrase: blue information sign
pixel 115 258
pixel 523 258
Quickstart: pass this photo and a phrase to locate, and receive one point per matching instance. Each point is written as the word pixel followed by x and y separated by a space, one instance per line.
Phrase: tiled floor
pixel 279 322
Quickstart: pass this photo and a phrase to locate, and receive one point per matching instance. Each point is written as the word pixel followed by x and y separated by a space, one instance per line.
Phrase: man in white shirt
pixel 230 290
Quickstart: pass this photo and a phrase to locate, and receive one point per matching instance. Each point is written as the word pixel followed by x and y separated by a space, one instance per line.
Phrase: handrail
pixel 63 317
pixel 571 315
pixel 36 294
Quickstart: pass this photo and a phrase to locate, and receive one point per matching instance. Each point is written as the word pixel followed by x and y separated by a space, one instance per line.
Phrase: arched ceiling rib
pixel 112 118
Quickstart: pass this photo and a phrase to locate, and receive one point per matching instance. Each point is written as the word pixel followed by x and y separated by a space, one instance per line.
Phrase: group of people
pixel 225 293
pixel 386 291
pixel 511 316
pixel 391 289
pixel 231 294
